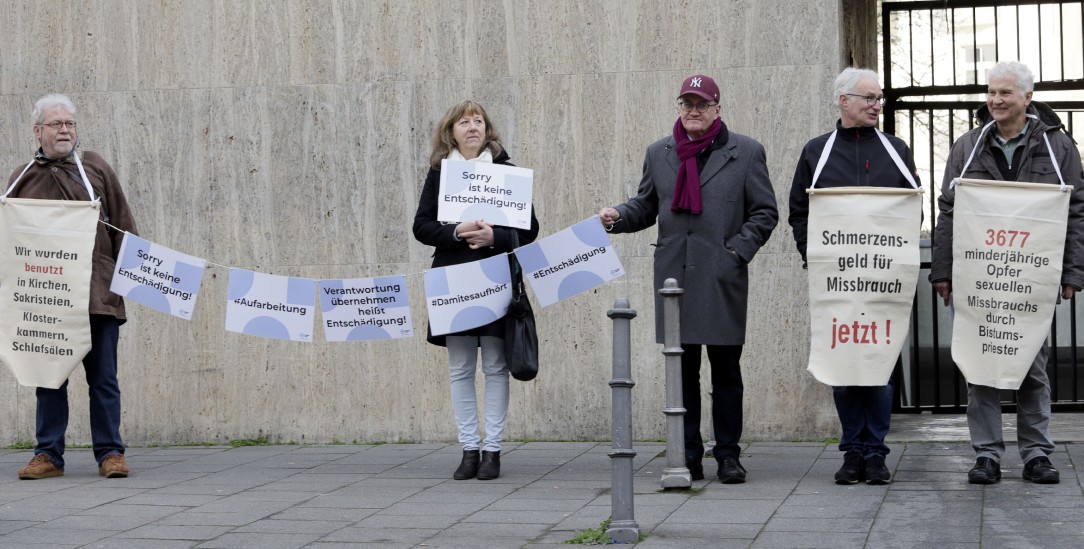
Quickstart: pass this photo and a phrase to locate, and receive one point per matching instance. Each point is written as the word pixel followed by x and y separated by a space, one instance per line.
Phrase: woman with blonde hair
pixel 465 133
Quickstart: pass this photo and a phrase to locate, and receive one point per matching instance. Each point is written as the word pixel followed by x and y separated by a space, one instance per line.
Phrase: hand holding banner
pixel 497 193
pixel 570 262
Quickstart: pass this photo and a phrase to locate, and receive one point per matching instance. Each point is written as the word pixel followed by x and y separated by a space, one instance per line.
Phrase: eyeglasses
pixel 56 125
pixel 687 106
pixel 870 100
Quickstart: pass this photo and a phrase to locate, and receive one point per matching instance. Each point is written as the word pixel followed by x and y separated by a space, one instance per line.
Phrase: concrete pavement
pixel 402 495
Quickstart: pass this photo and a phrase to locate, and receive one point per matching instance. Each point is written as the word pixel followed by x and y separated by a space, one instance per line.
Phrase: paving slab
pixel 811 540
pixel 285 526
pixel 401 495
pixel 127 543
pixel 45 533
pixel 242 540
pixel 385 537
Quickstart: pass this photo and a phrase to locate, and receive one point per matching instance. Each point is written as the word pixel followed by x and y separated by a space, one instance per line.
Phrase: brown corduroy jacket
pixel 60 180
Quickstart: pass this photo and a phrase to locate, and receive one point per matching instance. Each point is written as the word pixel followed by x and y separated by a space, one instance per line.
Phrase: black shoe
pixel 731 471
pixel 985 471
pixel 696 469
pixel 853 470
pixel 468 467
pixel 490 467
pixel 1040 471
pixel 876 472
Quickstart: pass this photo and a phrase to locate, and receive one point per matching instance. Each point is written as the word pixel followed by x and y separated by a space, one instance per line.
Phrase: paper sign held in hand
pixel 497 193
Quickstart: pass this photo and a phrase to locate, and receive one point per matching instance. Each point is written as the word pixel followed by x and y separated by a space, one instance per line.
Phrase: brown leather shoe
pixel 113 466
pixel 39 467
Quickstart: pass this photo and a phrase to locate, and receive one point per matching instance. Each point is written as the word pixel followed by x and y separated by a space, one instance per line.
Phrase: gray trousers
pixel 1032 415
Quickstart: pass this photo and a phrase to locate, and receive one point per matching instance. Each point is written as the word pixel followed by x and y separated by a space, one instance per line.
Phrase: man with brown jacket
pixel 55 175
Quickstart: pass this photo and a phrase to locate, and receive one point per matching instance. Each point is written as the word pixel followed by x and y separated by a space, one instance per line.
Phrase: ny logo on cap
pixel 695 82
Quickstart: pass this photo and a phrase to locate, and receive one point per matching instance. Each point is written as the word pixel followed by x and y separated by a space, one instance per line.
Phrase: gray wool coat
pixel 708 254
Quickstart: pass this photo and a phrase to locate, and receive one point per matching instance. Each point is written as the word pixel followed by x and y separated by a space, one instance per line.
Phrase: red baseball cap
pixel 700 85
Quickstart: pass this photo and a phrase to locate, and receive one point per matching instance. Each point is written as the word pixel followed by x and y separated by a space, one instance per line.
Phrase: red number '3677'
pixel 1006 238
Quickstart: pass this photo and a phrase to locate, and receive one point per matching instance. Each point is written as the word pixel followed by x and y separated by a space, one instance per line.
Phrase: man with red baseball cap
pixel 708 189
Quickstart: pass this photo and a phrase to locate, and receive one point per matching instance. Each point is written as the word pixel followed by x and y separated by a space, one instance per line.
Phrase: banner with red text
pixel 46 250
pixel 1007 247
pixel 863 255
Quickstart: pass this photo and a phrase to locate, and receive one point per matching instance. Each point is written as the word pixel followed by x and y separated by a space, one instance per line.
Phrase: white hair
pixel 847 81
pixel 1017 71
pixel 51 101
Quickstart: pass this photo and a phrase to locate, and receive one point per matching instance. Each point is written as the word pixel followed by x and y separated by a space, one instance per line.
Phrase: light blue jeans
pixel 462 363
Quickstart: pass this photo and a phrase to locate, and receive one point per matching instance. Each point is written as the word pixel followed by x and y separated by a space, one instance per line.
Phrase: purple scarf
pixel 687 187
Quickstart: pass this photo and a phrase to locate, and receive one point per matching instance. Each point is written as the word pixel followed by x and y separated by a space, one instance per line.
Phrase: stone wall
pixel 290 137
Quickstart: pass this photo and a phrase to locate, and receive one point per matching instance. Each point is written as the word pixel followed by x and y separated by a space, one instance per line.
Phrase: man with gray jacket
pixel 1025 143
pixel 708 188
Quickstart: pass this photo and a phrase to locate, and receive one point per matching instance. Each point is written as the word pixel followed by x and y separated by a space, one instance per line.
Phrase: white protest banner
pixel 468 295
pixel 365 308
pixel 271 306
pixel 570 262
pixel 45 267
pixel 863 255
pixel 497 193
pixel 1007 246
pixel 157 277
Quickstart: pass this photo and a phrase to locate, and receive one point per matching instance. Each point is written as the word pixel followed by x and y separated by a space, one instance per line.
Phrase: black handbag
pixel 520 335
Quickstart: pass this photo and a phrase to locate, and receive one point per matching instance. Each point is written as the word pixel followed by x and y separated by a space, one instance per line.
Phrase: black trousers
pixel 726 399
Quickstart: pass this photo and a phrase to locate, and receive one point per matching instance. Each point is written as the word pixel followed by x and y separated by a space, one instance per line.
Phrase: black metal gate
pixel 935 58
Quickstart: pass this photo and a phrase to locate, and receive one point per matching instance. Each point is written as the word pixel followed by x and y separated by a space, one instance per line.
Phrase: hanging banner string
pixel 224 266
pixel 557 267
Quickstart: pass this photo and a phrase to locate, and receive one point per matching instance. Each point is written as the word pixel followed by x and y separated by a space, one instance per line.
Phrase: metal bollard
pixel 623 527
pixel 676 474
